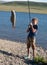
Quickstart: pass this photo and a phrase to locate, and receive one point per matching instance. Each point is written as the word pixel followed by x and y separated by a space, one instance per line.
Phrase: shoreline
pixel 22 9
pixel 12 53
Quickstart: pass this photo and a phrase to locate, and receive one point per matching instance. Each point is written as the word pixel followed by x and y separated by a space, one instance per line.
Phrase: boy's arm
pixel 28 30
pixel 33 30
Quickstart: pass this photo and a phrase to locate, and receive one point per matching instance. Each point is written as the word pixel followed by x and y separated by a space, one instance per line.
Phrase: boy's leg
pixel 34 48
pixel 28 50
pixel 34 53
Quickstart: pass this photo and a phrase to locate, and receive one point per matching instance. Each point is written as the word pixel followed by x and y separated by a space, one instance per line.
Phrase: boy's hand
pixel 31 24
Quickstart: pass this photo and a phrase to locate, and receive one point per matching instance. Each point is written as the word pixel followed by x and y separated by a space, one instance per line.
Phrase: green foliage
pixel 40 59
pixel 26 3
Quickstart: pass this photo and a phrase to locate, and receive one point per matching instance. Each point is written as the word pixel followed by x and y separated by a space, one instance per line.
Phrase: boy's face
pixel 35 22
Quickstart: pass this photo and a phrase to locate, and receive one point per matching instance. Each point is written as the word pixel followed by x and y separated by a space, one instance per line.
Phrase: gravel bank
pixel 12 53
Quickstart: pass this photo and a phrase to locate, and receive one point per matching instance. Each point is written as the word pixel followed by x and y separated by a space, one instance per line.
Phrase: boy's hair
pixel 34 19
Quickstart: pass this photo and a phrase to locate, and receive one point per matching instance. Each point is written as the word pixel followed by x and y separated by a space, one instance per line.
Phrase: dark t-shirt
pixel 31 33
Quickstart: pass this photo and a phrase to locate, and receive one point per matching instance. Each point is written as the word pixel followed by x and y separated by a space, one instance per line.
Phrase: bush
pixel 40 59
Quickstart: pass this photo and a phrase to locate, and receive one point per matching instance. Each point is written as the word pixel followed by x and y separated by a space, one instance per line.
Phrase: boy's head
pixel 35 21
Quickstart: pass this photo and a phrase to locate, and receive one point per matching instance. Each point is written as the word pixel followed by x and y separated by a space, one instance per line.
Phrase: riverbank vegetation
pixel 35 7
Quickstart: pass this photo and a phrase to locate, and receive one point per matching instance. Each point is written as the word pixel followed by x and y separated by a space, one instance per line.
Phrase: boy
pixel 31 39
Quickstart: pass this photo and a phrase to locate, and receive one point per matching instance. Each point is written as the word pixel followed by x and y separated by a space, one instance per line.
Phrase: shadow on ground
pixel 6 53
pixel 27 61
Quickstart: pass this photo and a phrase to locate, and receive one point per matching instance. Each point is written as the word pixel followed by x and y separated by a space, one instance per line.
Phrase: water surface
pixel 19 33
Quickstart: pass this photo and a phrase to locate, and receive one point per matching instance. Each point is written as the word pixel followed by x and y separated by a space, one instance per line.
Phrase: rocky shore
pixel 12 53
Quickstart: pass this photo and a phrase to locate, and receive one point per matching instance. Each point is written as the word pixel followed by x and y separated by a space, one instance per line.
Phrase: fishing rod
pixel 29 10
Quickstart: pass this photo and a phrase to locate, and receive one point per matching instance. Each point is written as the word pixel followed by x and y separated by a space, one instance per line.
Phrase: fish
pixel 13 18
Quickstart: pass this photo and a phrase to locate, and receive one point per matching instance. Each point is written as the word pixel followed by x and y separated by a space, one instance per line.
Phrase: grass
pixel 31 4
pixel 23 7
pixel 40 59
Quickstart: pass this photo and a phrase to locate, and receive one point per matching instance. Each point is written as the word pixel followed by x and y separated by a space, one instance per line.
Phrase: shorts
pixel 31 42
